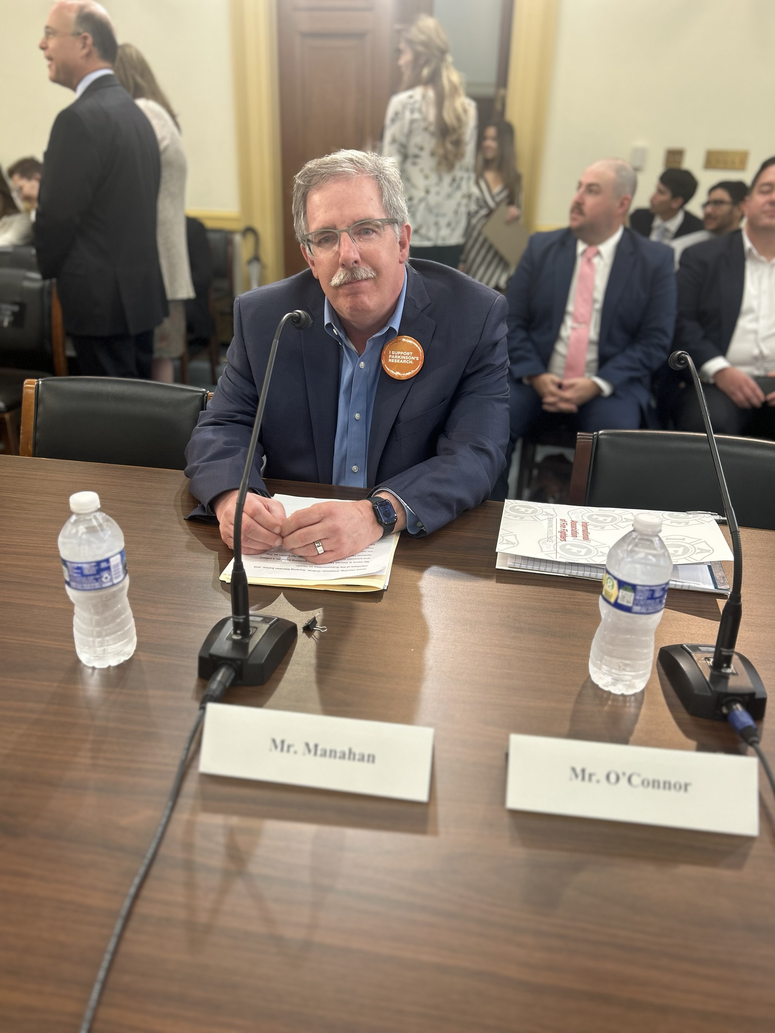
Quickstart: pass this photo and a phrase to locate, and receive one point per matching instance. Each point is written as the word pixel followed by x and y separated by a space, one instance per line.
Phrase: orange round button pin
pixel 402 358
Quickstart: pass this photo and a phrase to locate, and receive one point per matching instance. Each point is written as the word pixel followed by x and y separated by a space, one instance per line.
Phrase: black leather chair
pixel 670 470
pixel 110 420
pixel 222 289
pixel 32 339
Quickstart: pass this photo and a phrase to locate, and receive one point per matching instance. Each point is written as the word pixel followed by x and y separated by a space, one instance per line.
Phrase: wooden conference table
pixel 274 908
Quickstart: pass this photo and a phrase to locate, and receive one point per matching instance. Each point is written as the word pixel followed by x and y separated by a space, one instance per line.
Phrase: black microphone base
pixel 254 659
pixel 703 691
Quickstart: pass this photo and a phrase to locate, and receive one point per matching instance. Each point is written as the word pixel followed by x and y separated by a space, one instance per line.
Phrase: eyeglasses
pixel 717 204
pixel 363 234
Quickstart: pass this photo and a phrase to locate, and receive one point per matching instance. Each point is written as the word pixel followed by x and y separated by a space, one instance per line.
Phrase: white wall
pixel 695 74
pixel 188 45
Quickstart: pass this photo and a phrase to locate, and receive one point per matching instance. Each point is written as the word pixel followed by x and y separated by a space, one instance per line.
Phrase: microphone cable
pixel 746 728
pixel 216 687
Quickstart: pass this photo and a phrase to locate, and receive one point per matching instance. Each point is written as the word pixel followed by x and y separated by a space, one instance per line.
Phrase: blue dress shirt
pixel 357 390
pixel 358 381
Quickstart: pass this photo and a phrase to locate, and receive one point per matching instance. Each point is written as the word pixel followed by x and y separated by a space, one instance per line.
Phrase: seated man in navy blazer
pixel 726 319
pixel 429 446
pixel 591 313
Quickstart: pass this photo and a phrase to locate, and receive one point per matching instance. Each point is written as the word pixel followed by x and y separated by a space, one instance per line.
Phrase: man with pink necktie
pixel 591 314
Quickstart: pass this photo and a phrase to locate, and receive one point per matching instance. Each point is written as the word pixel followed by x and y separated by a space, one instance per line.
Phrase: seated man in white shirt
pixel 591 314
pixel 722 213
pixel 726 319
pixel 667 218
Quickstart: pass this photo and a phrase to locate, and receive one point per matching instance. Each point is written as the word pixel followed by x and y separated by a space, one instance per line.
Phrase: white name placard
pixel 711 792
pixel 370 757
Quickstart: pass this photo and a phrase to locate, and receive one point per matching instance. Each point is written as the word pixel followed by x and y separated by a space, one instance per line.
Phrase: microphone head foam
pixel 301 319
pixel 678 360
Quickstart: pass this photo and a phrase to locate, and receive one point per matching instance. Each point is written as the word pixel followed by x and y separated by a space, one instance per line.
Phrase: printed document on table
pixel 368 570
pixel 573 541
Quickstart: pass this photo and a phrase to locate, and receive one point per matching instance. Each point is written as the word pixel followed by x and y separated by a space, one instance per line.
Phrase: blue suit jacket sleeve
pixel 649 343
pixel 217 458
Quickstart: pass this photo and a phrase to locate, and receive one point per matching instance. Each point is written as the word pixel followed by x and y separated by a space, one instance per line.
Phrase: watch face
pixel 384 511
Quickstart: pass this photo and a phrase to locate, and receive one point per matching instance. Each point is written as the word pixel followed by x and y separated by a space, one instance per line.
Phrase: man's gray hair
pixel 625 177
pixel 384 172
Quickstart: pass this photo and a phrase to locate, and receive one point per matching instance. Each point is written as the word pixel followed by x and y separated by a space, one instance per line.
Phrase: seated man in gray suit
pixel 427 437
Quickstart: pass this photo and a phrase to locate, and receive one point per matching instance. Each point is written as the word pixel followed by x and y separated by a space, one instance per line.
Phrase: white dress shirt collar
pixel 606 249
pixel 89 79
pixel 751 252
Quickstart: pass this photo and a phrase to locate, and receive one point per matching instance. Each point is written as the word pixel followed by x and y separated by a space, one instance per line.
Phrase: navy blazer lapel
pixel 621 270
pixel 391 393
pixel 563 275
pixel 732 286
pixel 322 364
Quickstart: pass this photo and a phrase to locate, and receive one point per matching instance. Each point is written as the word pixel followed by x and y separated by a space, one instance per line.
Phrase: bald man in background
pixel 95 230
pixel 591 314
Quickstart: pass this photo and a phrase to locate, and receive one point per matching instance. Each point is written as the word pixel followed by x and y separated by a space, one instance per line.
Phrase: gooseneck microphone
pixel 252 644
pixel 709 680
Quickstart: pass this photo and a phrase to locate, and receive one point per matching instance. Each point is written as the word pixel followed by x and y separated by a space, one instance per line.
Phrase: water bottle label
pixel 623 595
pixel 86 577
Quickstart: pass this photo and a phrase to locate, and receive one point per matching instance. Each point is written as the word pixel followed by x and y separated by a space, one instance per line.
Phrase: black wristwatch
pixel 384 514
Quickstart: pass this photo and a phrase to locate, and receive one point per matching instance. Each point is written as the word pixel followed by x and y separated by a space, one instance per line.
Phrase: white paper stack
pixel 366 571
pixel 573 541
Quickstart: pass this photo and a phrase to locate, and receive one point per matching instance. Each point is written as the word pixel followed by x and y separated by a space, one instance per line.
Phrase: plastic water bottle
pixel 91 547
pixel 637 574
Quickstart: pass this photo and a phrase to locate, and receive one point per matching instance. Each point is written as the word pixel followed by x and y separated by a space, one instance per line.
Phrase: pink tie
pixel 576 359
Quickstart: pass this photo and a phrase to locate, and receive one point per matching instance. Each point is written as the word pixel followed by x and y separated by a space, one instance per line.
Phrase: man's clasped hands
pixel 341 528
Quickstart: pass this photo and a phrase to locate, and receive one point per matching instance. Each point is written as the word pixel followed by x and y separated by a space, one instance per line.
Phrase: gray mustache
pixel 358 272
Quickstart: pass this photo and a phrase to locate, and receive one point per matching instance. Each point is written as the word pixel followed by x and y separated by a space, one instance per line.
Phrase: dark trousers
pixel 123 355
pixel 725 416
pixel 446 255
pixel 617 412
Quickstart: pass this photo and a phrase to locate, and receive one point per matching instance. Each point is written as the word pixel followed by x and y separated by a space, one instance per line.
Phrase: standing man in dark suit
pixel 591 313
pixel 426 436
pixel 726 319
pixel 667 217
pixel 95 230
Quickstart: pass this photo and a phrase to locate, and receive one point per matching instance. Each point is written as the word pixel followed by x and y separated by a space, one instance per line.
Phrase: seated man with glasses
pixel 426 433
pixel 722 213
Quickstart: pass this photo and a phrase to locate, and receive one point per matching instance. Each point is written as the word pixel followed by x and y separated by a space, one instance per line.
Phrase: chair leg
pixel 9 432
pixel 215 356
pixel 526 466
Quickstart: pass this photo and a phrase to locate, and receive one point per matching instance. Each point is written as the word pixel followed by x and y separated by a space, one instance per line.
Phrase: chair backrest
pixel 23 256
pixel 670 470
pixel 110 420
pixel 25 319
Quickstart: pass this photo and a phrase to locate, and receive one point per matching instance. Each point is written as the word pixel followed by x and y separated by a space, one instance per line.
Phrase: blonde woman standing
pixel 135 75
pixel 430 129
